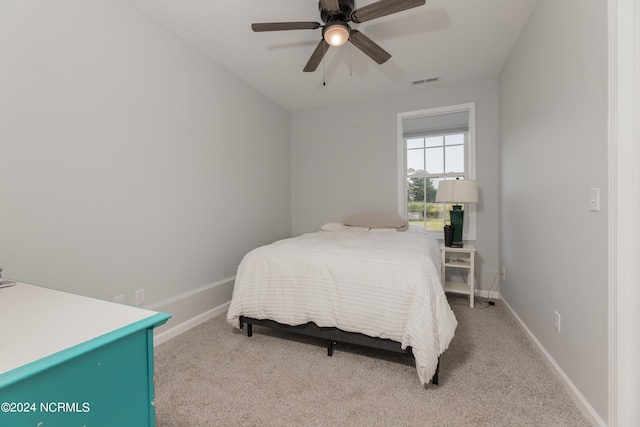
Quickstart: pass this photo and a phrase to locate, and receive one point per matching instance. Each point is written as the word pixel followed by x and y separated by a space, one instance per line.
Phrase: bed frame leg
pixel 434 380
pixel 249 329
pixel 330 348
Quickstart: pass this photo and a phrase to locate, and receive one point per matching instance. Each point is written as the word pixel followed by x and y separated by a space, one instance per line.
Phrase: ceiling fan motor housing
pixel 346 7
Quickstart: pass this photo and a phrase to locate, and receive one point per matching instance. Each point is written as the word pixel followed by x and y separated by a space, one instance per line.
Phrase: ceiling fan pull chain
pixel 350 68
pixel 324 65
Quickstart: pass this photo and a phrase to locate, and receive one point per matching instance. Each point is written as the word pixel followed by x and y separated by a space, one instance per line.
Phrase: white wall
pixel 553 148
pixel 344 161
pixel 128 159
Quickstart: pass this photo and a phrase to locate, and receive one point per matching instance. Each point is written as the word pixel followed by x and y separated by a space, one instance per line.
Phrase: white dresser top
pixel 36 322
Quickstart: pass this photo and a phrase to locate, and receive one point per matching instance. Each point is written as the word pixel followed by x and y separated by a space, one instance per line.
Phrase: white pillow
pixel 338 226
pixel 333 226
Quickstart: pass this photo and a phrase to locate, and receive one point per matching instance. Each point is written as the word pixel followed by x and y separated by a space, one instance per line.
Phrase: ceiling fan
pixel 336 14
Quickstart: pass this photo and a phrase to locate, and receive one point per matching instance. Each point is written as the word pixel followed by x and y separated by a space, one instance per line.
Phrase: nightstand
pixel 463 258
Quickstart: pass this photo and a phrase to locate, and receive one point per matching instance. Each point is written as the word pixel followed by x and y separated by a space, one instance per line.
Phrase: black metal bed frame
pixel 332 336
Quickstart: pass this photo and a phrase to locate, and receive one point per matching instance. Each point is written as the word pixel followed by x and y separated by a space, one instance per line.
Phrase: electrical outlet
pixel 556 320
pixel 140 297
pixel 504 273
pixel 119 299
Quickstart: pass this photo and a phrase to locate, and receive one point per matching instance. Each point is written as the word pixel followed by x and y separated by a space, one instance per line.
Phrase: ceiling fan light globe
pixel 336 35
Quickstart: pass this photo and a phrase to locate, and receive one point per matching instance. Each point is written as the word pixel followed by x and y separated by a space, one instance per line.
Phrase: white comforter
pixel 382 285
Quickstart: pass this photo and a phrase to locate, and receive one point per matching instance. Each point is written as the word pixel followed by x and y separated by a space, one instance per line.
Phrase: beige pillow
pixel 377 221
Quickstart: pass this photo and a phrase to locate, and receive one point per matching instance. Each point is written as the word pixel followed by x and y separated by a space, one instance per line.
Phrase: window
pixel 431 159
pixel 435 145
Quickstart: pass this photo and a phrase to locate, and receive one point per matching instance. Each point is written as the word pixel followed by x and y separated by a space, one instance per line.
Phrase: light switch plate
pixel 594 199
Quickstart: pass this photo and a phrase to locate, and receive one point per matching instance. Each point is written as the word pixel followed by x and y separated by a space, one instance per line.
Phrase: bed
pixel 373 286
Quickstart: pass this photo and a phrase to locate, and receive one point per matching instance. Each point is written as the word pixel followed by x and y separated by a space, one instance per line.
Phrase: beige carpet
pixel 214 375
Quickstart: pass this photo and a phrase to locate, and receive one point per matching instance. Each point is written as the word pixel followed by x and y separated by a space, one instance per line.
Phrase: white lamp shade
pixel 457 191
pixel 336 34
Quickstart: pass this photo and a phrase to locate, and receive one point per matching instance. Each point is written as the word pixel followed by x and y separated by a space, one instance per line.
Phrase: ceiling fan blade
pixel 383 8
pixel 330 5
pixel 316 56
pixel 369 47
pixel 281 26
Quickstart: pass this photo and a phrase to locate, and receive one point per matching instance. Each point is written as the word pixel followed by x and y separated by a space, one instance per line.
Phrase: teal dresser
pixel 73 361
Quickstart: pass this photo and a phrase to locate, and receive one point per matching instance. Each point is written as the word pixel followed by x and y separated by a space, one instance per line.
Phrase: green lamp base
pixel 457 219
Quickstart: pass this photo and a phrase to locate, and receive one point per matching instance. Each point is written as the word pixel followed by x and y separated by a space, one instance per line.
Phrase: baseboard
pixel 580 400
pixel 488 284
pixel 192 308
pixel 489 295
pixel 164 336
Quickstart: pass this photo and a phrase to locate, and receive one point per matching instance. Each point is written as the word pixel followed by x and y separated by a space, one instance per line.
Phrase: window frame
pixel 470 225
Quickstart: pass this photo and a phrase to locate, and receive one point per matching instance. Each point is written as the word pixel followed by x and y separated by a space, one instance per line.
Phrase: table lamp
pixel 457 192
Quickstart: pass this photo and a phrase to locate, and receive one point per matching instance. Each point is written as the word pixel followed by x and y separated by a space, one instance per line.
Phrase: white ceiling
pixel 456 40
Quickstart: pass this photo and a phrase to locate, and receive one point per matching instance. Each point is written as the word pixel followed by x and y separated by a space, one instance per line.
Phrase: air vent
pixel 425 81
